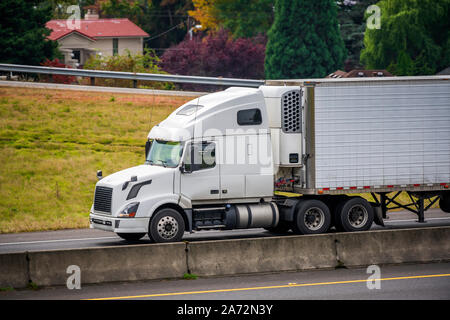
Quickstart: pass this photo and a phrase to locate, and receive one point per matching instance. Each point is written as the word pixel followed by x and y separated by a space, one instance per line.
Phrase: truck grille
pixel 102 199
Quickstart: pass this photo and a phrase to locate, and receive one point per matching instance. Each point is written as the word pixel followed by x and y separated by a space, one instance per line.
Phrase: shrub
pixel 139 63
pixel 216 55
pixel 55 78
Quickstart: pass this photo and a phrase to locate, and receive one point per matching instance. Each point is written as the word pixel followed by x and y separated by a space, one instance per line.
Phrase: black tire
pixel 312 217
pixel 354 214
pixel 166 225
pixel 131 236
pixel 282 227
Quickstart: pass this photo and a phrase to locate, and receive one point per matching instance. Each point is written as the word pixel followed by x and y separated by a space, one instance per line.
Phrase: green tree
pixel 59 7
pixel 352 26
pixel 123 9
pixel 23 35
pixel 304 40
pixel 166 21
pixel 413 38
pixel 245 18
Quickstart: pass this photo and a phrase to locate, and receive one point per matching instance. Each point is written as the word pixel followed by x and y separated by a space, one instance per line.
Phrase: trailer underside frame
pixel 417 204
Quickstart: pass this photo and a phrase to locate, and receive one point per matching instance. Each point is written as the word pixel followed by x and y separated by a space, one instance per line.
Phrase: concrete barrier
pixel 13 270
pixel 288 253
pixel 393 246
pixel 97 265
pixel 227 257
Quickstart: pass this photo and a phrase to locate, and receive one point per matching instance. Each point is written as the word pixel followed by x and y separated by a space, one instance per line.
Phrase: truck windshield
pixel 165 153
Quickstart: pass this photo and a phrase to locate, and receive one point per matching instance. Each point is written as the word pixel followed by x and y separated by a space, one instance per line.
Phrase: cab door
pixel 199 179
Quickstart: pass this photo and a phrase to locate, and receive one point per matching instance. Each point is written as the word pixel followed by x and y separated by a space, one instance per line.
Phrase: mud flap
pixel 377 215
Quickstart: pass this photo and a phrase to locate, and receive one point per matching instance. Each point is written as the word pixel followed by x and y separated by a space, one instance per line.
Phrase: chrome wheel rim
pixel 314 218
pixel 357 216
pixel 167 227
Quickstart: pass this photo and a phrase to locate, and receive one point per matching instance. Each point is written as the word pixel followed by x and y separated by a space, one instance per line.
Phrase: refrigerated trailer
pixel 290 155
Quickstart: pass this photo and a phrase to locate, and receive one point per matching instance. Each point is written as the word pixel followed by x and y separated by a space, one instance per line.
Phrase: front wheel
pixel 131 236
pixel 312 217
pixel 167 225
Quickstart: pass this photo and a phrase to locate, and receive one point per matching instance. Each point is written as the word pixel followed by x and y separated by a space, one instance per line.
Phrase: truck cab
pixel 209 160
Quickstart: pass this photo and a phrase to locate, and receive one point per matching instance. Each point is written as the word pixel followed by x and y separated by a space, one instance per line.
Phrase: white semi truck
pixel 290 155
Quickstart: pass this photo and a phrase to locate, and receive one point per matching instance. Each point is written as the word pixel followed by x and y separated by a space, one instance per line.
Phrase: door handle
pixel 214 191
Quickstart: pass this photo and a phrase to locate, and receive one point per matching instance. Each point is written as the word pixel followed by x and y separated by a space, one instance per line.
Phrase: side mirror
pixel 99 174
pixel 183 169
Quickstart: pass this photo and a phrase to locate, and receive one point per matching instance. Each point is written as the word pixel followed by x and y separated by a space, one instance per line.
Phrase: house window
pixel 115 46
pixel 76 55
pixel 249 117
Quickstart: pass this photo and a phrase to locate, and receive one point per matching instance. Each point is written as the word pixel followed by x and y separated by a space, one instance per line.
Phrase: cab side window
pixel 249 117
pixel 200 156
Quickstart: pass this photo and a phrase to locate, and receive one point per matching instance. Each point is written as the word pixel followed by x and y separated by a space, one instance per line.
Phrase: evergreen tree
pixel 304 40
pixel 413 38
pixel 23 35
pixel 352 26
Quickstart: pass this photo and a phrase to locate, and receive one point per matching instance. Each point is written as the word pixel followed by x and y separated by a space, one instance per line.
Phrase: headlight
pixel 129 211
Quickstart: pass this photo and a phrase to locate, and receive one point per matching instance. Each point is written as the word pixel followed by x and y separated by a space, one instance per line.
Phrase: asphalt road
pixel 401 282
pixel 87 238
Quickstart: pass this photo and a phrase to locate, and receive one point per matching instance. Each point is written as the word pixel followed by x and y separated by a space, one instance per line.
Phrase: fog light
pixel 129 211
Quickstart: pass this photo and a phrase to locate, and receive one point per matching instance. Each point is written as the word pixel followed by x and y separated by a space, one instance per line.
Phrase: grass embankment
pixel 52 142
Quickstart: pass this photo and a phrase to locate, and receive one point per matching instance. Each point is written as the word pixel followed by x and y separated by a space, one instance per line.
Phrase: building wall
pixel 135 45
pixel 104 45
pixel 75 40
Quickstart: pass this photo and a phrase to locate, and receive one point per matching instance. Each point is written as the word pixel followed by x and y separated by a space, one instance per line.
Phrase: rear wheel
pixel 312 217
pixel 131 236
pixel 167 225
pixel 354 214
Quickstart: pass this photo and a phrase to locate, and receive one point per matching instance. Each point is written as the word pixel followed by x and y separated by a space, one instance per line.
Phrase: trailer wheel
pixel 312 217
pixel 131 236
pixel 354 214
pixel 167 225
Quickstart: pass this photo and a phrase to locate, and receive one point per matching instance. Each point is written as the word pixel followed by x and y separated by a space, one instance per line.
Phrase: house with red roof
pixel 79 39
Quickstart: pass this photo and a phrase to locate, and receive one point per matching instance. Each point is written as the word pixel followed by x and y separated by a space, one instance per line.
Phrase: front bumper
pixel 118 225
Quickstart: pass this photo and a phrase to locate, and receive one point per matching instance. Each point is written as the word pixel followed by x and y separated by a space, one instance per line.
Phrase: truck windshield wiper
pixel 163 162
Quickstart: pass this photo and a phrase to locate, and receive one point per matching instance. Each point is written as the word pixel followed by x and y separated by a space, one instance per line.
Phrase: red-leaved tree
pixel 56 78
pixel 216 55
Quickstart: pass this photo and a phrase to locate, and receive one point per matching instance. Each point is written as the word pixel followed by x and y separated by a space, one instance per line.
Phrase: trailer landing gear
pixel 417 204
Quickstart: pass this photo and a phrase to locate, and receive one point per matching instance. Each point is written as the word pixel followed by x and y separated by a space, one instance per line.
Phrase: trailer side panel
pixel 375 134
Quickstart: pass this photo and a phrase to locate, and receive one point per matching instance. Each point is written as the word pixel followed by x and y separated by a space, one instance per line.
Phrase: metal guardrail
pixel 131 76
